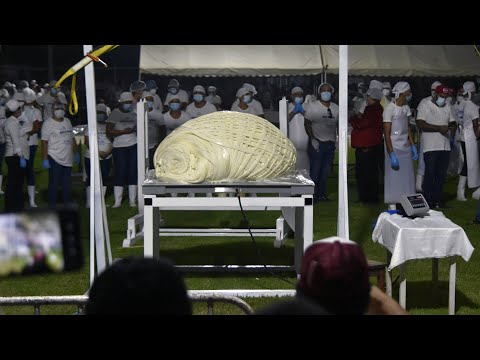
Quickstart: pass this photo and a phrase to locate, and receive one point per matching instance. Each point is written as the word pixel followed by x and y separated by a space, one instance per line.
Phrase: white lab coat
pixel 471 145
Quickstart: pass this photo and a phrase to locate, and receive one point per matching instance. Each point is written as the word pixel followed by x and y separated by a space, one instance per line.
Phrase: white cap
pixel 102 108
pixel 400 87
pixel 242 91
pixel 297 89
pixel 173 97
pixel 29 95
pixel 173 83
pixel 435 84
pixel 125 96
pixel 326 83
pixel 386 85
pixel 469 86
pixel 13 105
pixel 4 93
pixel 212 88
pixel 19 97
pixel 250 87
pixel 375 84
pixel 375 93
pixel 199 88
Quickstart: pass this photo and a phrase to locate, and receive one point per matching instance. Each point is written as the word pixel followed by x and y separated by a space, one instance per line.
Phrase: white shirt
pixel 215 100
pixel 29 115
pixel 157 102
pixel 16 142
pixel 324 126
pixel 155 120
pixel 195 112
pixel 435 115
pixel 182 95
pixel 104 143
pixel 470 113
pixel 257 108
pixel 59 135
pixel 122 121
pixel 171 123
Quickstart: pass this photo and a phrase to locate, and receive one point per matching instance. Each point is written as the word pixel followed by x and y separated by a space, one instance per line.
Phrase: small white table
pixel 431 237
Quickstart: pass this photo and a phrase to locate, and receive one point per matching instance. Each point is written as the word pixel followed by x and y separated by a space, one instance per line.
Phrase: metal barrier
pixel 81 300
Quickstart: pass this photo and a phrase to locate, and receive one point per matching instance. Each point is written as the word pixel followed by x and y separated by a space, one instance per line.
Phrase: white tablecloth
pixel 433 236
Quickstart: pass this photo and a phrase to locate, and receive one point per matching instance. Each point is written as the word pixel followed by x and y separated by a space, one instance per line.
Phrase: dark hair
pixel 139 286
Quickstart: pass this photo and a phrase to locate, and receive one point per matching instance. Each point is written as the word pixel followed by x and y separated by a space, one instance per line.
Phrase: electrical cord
pixel 259 254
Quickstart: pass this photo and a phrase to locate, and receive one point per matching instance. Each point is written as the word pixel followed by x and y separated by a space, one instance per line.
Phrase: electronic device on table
pixel 414 205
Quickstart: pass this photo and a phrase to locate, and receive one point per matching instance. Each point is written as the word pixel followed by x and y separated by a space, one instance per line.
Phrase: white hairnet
pixel 375 84
pixel 13 105
pixel 212 88
pixel 242 91
pixel 400 87
pixel 250 87
pixel 386 85
pixel 61 98
pixel 469 86
pixel 4 93
pixel 297 89
pixel 137 86
pixel 375 93
pixel 199 88
pixel 173 97
pixel 125 96
pixel 19 97
pixel 173 83
pixel 435 84
pixel 326 83
pixel 29 95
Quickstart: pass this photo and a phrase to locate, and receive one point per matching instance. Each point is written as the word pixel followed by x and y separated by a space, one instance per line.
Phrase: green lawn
pixel 422 296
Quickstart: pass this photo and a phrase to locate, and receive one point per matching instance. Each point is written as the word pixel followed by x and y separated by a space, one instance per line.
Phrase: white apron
pixel 399 182
pixel 471 149
pixel 299 138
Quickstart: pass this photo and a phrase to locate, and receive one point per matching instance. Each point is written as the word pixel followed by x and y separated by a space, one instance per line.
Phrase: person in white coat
pixel 213 98
pixel 152 89
pixel 421 162
pixel 296 128
pixel 438 125
pixel 122 127
pixel 469 115
pixel 400 149
pixel 31 115
pixel 46 100
pixel 199 106
pixel 156 128
pixel 174 90
pixel 255 106
pixel 3 100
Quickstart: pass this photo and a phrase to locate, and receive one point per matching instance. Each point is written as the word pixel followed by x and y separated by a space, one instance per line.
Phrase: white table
pixel 431 237
pixel 291 193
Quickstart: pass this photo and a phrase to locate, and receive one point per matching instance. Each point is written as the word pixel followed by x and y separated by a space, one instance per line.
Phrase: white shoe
pixel 118 194
pixel 31 195
pixel 132 194
pixel 419 183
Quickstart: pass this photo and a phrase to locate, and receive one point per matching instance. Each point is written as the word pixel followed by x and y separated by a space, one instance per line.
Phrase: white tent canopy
pixel 275 60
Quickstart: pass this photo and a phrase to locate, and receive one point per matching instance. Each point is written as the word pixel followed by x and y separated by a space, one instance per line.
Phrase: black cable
pixel 259 254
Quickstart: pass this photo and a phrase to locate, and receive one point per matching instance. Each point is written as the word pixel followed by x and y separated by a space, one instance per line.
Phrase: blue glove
pixel 76 158
pixel 46 164
pixel 23 163
pixel 414 152
pixel 394 161
pixel 298 108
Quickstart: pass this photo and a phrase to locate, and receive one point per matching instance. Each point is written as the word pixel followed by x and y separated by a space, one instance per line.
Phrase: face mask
pixel 198 97
pixel 247 98
pixel 59 114
pixel 460 98
pixel 150 105
pixel 409 98
pixel 386 92
pixel 153 91
pixel 172 90
pixel 441 101
pixel 326 96
pixel 174 106
pixel 127 107
pixel 298 100
pixel 53 91
pixel 101 118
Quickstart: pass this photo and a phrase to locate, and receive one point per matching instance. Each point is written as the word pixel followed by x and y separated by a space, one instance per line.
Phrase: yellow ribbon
pixel 73 106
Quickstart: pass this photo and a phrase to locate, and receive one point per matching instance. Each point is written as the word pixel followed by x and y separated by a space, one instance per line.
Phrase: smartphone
pixel 40 241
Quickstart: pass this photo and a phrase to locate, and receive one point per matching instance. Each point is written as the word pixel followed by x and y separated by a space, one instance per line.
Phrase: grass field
pixel 422 296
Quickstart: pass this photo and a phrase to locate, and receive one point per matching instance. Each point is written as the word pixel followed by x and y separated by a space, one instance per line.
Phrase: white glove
pixel 315 144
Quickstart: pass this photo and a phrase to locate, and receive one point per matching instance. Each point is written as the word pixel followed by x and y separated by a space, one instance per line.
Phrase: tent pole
pixel 342 226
